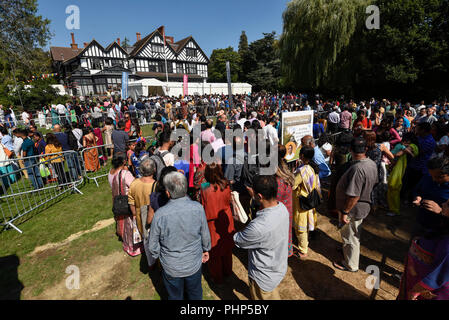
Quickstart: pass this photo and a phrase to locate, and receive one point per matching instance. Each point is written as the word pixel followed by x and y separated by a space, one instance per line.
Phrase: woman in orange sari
pixel 91 159
pixel 216 200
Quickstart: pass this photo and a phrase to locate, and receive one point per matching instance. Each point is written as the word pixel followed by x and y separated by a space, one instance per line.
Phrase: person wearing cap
pixel 353 197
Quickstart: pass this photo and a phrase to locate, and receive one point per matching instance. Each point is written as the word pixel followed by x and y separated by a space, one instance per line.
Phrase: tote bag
pixel 238 212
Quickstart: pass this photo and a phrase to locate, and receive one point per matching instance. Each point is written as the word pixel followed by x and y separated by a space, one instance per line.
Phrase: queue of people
pixel 183 208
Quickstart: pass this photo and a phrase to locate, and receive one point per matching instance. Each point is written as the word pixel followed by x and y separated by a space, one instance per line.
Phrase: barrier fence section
pixel 95 160
pixel 30 182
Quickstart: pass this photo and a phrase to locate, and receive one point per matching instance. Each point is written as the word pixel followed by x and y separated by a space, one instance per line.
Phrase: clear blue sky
pixel 213 23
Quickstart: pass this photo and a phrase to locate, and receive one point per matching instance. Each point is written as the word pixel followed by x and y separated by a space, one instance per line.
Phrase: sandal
pixel 341 267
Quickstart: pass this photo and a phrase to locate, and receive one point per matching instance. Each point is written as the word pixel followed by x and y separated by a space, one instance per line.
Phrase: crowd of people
pixel 182 209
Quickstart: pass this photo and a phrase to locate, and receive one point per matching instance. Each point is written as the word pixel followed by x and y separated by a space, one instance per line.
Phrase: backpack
pixel 249 171
pixel 158 159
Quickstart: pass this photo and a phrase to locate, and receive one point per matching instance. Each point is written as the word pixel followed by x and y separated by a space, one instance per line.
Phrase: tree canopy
pixel 217 66
pixel 22 35
pixel 326 46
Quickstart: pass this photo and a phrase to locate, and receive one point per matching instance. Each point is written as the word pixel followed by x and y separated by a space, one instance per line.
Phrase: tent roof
pixel 148 83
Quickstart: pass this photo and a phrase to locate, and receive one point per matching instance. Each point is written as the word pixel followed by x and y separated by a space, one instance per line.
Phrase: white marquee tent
pixel 154 87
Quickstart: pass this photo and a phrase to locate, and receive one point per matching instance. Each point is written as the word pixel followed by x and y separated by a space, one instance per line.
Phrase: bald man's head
pixel 308 141
pixel 57 128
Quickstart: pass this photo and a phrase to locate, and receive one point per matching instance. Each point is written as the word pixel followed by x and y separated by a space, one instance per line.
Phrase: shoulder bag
pixel 120 205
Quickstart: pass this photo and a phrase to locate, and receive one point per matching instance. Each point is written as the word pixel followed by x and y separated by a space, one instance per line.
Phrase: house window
pixel 158 48
pixel 179 68
pixel 116 62
pixel 152 66
pixel 97 64
pixel 191 52
pixel 191 68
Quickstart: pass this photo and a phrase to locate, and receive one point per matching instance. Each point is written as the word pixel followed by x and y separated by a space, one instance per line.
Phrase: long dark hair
pixel 214 175
pixel 308 153
pixel 51 139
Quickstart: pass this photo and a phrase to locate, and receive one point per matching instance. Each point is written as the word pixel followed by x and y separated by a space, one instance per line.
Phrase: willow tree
pixel 315 33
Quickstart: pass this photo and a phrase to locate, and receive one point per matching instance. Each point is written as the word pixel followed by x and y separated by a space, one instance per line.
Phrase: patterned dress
pixel 285 196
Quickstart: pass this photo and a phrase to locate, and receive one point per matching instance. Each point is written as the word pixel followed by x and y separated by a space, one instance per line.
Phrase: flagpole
pixel 165 56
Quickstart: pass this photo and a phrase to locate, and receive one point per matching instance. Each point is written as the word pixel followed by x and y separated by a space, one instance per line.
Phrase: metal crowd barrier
pixel 95 160
pixel 31 182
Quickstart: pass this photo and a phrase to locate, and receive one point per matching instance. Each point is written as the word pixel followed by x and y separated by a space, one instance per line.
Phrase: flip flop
pixel 341 267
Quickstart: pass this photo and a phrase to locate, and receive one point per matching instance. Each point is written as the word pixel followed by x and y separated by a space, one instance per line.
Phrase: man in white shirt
pixel 422 106
pixel 334 120
pixel 270 132
pixel 25 118
pixel 242 119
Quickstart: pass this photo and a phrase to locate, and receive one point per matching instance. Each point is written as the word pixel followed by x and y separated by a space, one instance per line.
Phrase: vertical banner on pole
pixel 186 85
pixel 125 78
pixel 228 72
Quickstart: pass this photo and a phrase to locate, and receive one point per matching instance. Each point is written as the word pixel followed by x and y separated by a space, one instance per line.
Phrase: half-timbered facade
pixel 96 70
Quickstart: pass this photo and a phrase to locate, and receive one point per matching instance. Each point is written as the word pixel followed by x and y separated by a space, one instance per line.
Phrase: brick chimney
pixel 86 44
pixel 138 36
pixel 73 44
pixel 169 39
pixel 118 41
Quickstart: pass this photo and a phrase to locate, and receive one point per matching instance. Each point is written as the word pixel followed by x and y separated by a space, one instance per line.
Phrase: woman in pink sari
pixel 124 223
pixel 426 272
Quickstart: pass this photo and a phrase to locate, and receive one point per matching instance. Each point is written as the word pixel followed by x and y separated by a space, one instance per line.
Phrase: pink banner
pixel 186 85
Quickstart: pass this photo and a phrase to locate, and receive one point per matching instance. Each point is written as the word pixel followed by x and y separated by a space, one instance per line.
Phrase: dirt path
pixel 98 226
pixel 383 247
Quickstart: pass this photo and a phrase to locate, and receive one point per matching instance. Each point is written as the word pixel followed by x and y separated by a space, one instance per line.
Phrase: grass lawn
pixel 42 275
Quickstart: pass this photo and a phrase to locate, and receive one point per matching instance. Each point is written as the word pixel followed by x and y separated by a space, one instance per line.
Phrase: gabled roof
pixel 141 43
pixel 182 43
pixel 85 49
pixel 115 44
pixel 63 53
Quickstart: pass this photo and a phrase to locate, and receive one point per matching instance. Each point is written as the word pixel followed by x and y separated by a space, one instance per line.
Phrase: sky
pixel 212 23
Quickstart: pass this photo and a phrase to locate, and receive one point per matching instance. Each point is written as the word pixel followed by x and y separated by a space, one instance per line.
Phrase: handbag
pixel 43 169
pixel 120 205
pixel 137 238
pixel 312 201
pixel 8 152
pixel 238 212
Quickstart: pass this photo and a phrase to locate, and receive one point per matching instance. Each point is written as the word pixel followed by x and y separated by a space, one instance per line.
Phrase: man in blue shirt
pixel 266 238
pixel 180 238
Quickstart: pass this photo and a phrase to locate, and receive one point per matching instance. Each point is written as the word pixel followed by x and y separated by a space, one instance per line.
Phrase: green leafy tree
pixel 326 46
pixel 243 52
pixel 217 65
pixel 22 31
pixel 125 43
pixel 263 63
pixel 315 33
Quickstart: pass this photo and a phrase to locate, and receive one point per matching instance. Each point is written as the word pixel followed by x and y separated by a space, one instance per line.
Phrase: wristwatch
pixel 345 213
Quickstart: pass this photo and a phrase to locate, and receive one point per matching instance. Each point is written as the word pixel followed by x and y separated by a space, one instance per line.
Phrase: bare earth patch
pixel 98 226
pixel 384 245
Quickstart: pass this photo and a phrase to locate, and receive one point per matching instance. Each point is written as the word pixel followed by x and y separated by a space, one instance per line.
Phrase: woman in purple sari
pixel 426 275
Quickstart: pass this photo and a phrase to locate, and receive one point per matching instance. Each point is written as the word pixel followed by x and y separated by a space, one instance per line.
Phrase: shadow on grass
pixel 10 285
